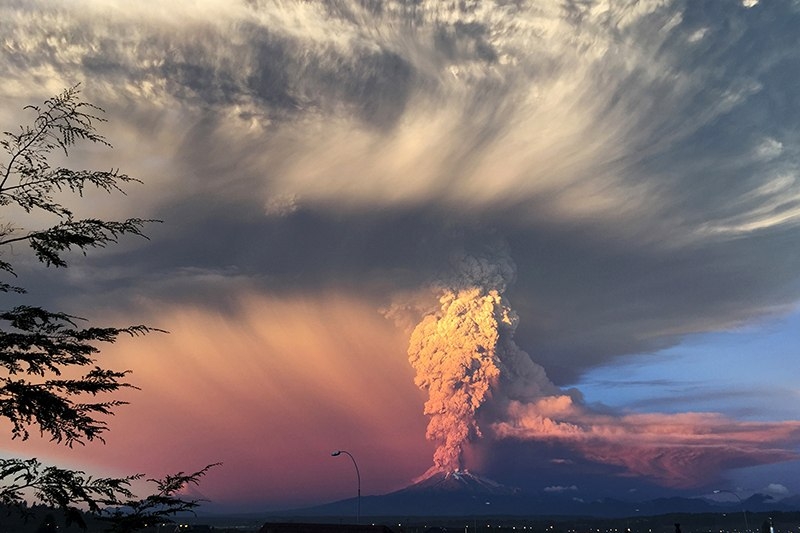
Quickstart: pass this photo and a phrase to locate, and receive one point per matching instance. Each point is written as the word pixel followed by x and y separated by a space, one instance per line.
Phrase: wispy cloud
pixel 559 488
pixel 682 450
pixel 638 158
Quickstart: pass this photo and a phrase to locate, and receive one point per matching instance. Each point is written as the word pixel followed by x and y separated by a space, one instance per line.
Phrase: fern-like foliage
pixel 51 379
pixel 167 501
pixel 28 181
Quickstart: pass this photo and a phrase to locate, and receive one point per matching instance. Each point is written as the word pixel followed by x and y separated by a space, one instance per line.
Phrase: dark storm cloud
pixel 640 161
pixel 315 162
pixel 637 300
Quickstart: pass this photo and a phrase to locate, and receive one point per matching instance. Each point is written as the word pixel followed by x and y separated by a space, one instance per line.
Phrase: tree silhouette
pixel 50 378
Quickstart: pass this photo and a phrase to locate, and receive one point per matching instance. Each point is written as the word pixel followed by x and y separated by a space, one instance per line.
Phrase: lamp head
pixel 335 453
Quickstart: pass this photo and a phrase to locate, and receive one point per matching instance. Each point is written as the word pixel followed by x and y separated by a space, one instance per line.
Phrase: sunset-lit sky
pixel 568 231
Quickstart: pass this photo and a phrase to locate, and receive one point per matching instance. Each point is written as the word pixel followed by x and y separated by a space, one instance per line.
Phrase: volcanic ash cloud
pixel 464 350
pixel 455 355
pixel 466 359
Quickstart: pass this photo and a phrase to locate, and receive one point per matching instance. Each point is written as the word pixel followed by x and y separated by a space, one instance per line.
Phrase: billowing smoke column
pixel 465 349
pixel 466 359
pixel 455 355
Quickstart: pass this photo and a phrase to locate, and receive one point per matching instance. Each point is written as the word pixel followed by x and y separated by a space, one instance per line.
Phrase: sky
pixel 553 243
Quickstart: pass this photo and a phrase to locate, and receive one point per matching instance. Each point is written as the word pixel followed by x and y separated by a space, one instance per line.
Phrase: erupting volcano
pixel 464 355
pixel 466 359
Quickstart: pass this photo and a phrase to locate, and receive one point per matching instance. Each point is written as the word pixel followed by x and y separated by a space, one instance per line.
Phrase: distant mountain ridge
pixel 462 493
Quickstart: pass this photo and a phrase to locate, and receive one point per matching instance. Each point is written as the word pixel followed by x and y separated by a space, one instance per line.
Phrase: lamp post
pixel 358 476
pixel 741 503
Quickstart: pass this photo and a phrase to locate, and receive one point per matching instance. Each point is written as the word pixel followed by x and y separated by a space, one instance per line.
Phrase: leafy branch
pixel 29 182
pixel 49 373
pixel 133 515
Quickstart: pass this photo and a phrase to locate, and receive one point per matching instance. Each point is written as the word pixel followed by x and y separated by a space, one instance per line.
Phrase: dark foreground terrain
pixel 48 521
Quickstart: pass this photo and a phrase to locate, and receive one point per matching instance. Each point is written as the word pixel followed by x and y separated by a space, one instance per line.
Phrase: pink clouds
pixel 468 362
pixel 680 450
pixel 268 389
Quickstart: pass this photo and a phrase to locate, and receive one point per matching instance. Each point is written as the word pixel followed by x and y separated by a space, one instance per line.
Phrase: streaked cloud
pixel 315 162
pixel 267 386
pixel 682 450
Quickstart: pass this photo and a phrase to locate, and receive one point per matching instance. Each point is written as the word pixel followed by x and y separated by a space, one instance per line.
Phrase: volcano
pixel 456 493
pixel 465 494
pixel 459 482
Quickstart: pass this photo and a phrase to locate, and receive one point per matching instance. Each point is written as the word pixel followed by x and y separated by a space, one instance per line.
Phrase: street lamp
pixel 358 475
pixel 741 503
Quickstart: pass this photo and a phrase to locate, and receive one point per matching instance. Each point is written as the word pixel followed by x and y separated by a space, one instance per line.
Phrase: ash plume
pixel 455 355
pixel 476 375
pixel 464 354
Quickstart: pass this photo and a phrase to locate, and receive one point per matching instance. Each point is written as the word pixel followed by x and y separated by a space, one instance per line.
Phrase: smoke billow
pixel 677 450
pixel 639 156
pixel 464 353
pixel 466 358
pixel 455 355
